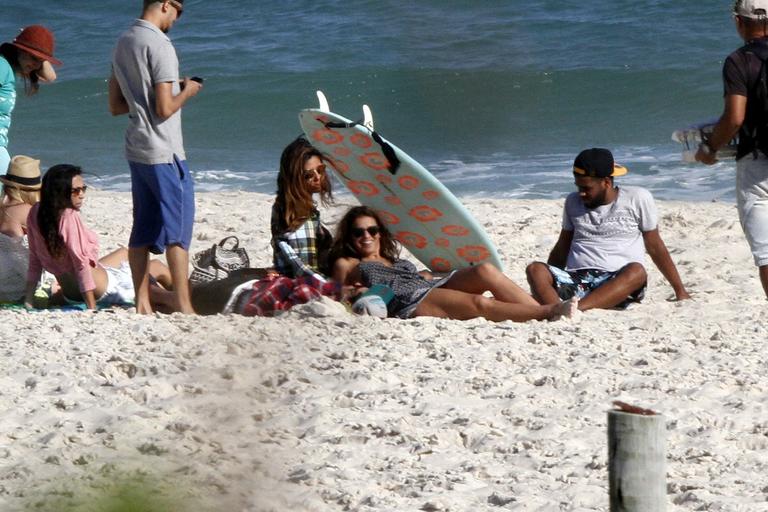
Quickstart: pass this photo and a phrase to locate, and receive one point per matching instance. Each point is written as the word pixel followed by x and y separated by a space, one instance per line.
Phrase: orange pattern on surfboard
pixel 455 230
pixel 327 136
pixel 360 140
pixel 424 213
pixel 363 188
pixel 375 161
pixel 389 218
pixel 473 253
pixel 440 264
pixel 408 182
pixel 411 239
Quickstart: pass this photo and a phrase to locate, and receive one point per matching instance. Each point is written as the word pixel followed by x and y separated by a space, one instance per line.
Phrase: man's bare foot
pixel 565 309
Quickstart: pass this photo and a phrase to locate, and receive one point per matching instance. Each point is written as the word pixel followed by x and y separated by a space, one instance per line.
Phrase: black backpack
pixel 755 127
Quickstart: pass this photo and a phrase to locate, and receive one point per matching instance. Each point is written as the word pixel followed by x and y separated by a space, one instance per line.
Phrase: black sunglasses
pixel 359 232
pixel 310 173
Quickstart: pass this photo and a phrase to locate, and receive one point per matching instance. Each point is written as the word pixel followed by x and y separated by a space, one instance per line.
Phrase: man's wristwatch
pixel 706 148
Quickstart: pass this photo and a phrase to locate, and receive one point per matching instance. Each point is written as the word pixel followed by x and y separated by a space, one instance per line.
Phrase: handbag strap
pixel 230 237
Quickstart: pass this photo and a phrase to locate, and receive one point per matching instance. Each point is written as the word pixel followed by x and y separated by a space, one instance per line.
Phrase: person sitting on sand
pixel 365 254
pixel 599 256
pixel 300 242
pixel 21 190
pixel 60 243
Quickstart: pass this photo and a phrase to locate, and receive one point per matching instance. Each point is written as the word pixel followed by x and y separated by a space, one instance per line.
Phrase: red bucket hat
pixel 38 41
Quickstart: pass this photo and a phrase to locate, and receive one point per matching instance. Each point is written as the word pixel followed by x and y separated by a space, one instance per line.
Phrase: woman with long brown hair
pixel 60 243
pixel 300 241
pixel 365 254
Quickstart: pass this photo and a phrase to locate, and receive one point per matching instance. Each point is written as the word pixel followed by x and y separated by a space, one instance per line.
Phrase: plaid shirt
pixel 297 253
pixel 280 293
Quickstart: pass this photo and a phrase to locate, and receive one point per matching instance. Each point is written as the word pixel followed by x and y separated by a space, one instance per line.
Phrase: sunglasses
pixel 359 232
pixel 76 191
pixel 310 173
pixel 179 8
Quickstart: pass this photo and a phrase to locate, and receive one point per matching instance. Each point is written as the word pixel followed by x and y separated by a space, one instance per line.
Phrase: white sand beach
pixel 320 410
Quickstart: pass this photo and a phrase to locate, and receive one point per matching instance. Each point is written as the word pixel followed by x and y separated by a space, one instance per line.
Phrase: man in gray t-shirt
pixel 600 254
pixel 145 84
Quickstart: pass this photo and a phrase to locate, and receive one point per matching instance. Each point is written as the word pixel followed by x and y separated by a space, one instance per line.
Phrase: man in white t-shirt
pixel 600 254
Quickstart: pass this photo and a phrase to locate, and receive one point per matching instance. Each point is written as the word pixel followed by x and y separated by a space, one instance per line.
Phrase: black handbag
pixel 218 261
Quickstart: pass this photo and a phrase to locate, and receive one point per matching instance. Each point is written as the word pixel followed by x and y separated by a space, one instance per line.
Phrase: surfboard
pixel 422 214
pixel 692 136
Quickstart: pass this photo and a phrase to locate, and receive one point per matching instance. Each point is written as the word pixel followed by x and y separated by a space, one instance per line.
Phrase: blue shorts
pixel 163 205
pixel 579 283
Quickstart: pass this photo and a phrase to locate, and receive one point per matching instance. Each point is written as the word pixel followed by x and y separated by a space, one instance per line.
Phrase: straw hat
pixel 23 173
pixel 38 41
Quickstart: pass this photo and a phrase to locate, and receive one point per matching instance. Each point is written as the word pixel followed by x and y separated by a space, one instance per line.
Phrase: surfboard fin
pixel 367 117
pixel 323 101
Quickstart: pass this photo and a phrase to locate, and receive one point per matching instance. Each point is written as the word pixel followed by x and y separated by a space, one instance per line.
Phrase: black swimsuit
pixel 406 283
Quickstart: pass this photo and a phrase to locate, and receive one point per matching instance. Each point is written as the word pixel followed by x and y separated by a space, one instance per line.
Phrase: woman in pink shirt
pixel 60 243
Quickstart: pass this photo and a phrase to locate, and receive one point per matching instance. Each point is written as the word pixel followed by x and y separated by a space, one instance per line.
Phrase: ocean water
pixel 494 97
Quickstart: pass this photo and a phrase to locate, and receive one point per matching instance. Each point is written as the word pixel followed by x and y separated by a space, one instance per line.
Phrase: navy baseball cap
pixel 597 163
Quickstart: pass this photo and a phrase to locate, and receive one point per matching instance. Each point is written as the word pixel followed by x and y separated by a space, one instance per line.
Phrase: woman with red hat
pixel 29 55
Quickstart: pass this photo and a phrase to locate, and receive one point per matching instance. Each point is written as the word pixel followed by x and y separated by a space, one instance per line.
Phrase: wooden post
pixel 636 460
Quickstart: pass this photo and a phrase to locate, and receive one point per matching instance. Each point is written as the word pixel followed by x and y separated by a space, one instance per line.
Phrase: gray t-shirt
pixel 143 57
pixel 610 236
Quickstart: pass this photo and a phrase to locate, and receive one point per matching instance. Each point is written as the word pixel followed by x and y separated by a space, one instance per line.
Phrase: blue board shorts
pixel 163 205
pixel 580 283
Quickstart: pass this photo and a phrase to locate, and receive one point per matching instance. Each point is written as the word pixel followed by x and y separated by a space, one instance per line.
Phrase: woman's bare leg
pixel 458 305
pixel 487 278
pixel 157 269
pixel 115 258
pixel 162 300
pixel 161 273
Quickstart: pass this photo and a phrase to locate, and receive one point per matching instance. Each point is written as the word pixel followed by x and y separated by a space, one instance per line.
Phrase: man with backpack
pixel 745 79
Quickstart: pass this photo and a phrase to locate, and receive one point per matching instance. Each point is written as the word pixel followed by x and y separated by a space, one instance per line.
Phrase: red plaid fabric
pixel 281 293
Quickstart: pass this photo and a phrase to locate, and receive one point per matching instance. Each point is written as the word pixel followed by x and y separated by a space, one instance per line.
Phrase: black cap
pixel 597 163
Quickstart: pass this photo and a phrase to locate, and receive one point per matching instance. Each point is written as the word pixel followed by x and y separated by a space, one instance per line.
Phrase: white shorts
pixel 752 203
pixel 119 286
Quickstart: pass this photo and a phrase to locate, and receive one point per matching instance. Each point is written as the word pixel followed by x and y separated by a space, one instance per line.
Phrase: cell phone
pixel 197 79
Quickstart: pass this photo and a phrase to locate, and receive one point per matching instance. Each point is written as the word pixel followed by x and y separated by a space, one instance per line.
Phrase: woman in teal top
pixel 30 55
